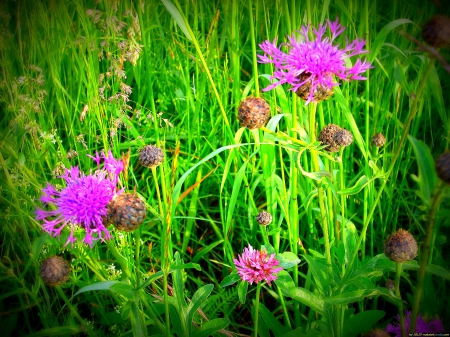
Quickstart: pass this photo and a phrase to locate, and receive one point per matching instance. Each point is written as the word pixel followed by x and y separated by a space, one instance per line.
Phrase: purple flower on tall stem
pixel 422 326
pixel 83 201
pixel 309 65
pixel 255 266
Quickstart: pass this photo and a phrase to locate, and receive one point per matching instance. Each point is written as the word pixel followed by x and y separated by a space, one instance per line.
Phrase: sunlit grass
pixel 79 77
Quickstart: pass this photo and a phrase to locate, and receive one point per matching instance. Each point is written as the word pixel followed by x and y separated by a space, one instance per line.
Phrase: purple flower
pixel 422 326
pixel 255 266
pixel 83 201
pixel 314 62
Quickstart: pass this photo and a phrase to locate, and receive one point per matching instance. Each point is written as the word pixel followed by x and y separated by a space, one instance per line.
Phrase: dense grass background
pixel 81 76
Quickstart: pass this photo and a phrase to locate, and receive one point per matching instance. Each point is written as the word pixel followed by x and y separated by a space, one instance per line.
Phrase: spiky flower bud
pixel 126 212
pixel 151 156
pixel 54 271
pixel 400 246
pixel 390 285
pixel 443 167
pixel 253 112
pixel 436 31
pixel 321 93
pixel 333 136
pixel 264 218
pixel 343 137
pixel 378 140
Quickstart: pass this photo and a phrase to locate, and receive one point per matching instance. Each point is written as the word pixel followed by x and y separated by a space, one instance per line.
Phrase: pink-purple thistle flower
pixel 314 62
pixel 255 266
pixel 422 326
pixel 83 201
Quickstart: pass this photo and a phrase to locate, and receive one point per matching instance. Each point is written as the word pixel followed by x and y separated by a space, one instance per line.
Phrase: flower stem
pixel 425 253
pixel 320 192
pixel 406 127
pixel 397 293
pixel 252 33
pixel 258 291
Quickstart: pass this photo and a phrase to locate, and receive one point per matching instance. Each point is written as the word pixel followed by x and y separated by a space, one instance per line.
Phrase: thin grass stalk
pixel 426 244
pixel 74 312
pixel 406 127
pixel 253 39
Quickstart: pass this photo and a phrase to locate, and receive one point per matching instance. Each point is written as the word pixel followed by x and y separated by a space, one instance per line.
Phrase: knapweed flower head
pixel 309 64
pixel 83 201
pixel 422 325
pixel 256 266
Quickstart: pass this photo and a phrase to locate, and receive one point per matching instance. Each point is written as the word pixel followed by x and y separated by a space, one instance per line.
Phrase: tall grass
pixel 83 76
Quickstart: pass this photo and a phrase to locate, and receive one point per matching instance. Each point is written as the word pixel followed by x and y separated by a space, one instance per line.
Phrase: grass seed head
pixel 327 137
pixel 436 31
pixel 54 271
pixel 443 167
pixel 253 112
pixel 126 212
pixel 400 246
pixel 264 218
pixel 378 140
pixel 151 156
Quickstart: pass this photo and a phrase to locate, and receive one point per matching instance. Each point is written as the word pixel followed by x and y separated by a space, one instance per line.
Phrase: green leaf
pixel 361 322
pixel 206 250
pixel 230 279
pixel 306 297
pixel 438 271
pixel 96 286
pixel 288 260
pixel 137 322
pixel 287 286
pixel 58 331
pixel 359 295
pixel 359 185
pixel 123 289
pixel 197 300
pixel 185 266
pixel 151 279
pixel 381 37
pixel 273 323
pixel 211 327
pixel 427 174
pixel 176 15
pixel 242 291
pixel 436 92
pixel 269 249
pixel 299 333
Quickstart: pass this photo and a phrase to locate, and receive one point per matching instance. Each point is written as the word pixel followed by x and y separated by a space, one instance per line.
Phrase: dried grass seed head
pixel 253 112
pixel 54 271
pixel 436 31
pixel 400 246
pixel 126 212
pixel 151 156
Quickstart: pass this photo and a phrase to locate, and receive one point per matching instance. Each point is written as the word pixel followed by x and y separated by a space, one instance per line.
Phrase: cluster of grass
pixel 83 76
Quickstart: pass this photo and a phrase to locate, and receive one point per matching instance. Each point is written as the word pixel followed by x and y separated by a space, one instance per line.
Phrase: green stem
pixel 254 58
pixel 406 127
pixel 424 255
pixel 320 192
pixel 119 258
pixel 397 293
pixel 75 312
pixel 258 291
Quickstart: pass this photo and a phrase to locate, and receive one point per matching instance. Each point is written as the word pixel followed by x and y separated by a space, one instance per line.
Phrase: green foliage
pixel 85 76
